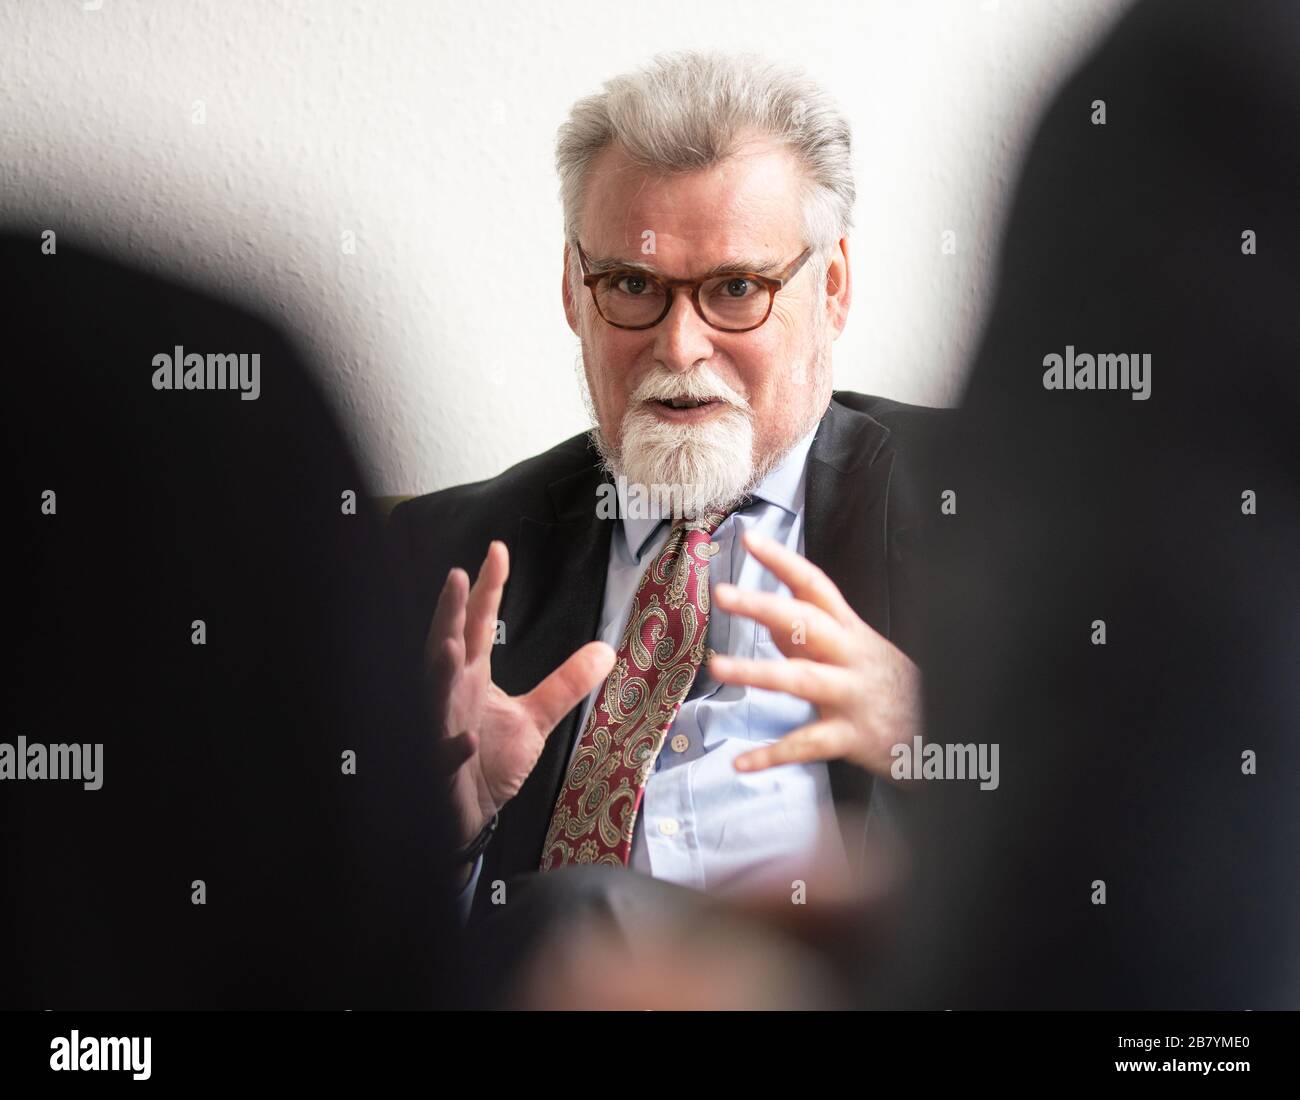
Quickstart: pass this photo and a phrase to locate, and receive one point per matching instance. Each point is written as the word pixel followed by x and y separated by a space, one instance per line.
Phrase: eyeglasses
pixel 733 301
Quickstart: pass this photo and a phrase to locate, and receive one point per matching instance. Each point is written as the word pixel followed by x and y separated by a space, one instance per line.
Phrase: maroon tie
pixel 660 653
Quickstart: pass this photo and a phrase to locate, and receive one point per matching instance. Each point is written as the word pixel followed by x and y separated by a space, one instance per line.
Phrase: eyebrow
pixel 732 266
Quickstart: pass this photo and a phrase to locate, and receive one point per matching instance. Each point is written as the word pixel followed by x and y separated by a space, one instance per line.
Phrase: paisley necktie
pixel 658 657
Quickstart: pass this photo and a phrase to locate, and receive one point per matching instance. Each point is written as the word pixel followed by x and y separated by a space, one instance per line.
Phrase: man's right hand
pixel 487 741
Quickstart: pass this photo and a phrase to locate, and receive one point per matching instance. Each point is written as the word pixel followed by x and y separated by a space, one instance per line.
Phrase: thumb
pixel 568 685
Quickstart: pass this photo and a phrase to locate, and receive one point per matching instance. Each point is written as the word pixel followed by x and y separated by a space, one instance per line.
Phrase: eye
pixel 737 287
pixel 631 284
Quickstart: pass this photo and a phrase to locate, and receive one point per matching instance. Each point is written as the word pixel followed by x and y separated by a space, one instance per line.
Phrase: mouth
pixel 686 408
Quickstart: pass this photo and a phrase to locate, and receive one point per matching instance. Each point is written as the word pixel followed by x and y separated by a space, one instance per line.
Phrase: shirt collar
pixel 783 486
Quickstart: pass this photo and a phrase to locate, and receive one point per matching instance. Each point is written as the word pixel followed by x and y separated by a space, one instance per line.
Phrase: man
pixel 706 271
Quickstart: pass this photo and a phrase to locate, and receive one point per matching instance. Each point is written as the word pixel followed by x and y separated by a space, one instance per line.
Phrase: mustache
pixel 661 385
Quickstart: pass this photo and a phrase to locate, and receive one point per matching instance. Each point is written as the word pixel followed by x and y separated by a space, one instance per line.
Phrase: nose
pixel 682 338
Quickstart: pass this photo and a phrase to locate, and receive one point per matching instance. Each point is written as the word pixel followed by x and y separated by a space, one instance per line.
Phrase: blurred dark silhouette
pixel 1123 762
pixel 222 762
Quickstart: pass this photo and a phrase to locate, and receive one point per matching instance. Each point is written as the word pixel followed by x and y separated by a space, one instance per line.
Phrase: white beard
pixel 691 468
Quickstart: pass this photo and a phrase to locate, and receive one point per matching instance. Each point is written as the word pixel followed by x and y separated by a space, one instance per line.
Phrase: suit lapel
pixel 846 533
pixel 551 607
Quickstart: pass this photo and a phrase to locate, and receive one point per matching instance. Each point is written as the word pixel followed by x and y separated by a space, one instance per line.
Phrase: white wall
pixel 425 127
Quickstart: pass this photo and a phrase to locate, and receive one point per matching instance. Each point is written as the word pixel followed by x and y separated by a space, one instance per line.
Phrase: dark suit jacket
pixel 868 492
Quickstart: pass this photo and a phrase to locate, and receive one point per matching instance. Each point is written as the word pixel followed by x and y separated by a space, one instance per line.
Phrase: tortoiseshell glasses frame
pixel 731 313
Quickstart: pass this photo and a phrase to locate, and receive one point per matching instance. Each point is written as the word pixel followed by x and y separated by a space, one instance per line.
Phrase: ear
pixel 839 287
pixel 566 291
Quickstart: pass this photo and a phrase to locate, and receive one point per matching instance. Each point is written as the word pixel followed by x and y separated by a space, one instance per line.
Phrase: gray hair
pixel 687 111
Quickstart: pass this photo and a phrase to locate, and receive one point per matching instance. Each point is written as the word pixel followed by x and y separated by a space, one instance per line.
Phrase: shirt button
pixel 714 548
pixel 668 826
pixel 681 743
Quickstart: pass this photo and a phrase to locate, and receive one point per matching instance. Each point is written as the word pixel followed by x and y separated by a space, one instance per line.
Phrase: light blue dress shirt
pixel 703 824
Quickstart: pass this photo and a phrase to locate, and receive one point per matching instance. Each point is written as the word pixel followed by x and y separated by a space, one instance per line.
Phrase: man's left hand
pixel 866 690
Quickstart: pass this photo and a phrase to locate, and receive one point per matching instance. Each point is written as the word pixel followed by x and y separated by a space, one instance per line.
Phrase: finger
pixel 822 684
pixel 484 602
pixel 446 665
pixel 805 580
pixel 568 685
pixel 826 740
pixel 447 615
pixel 798 628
